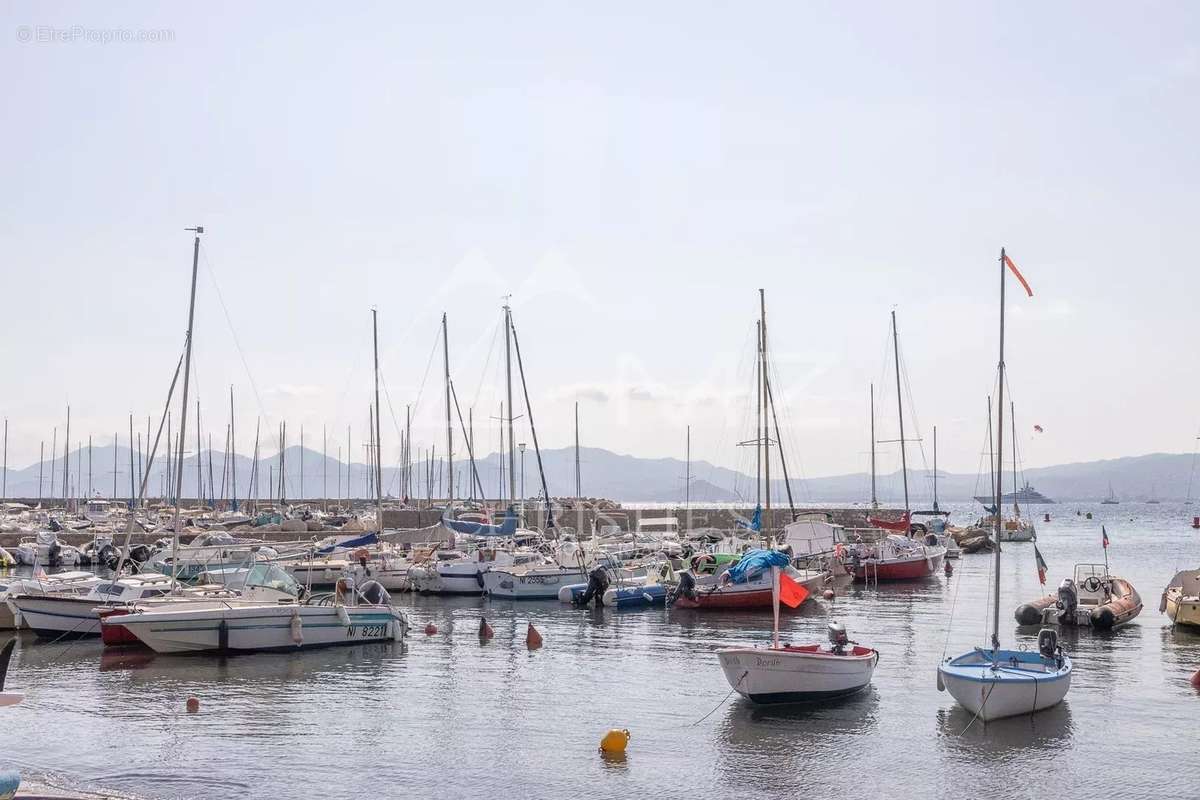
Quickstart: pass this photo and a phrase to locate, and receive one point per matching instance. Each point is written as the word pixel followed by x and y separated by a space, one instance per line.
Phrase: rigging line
pixel 790 428
pixel 212 275
pixel 487 362
pixel 425 377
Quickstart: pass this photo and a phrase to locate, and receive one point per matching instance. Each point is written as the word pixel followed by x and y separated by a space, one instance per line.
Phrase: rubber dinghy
pixel 1092 599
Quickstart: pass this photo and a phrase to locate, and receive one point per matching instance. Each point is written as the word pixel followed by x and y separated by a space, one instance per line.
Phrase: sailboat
pixel 896 556
pixel 995 683
pixel 1111 500
pixel 798 674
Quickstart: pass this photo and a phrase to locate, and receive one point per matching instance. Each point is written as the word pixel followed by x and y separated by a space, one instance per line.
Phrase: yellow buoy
pixel 615 741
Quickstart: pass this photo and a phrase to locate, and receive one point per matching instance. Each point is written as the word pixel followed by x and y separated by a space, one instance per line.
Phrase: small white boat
pixel 805 674
pixel 45 550
pixel 73 583
pixel 60 616
pixel 993 684
pixel 530 581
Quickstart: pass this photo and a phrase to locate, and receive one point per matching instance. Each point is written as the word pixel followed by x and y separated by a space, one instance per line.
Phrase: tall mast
pixel 900 412
pixel 89 491
pixel 349 461
pixel 449 426
pixel 378 462
pixel 212 488
pixel 935 502
pixel 4 472
pixel 324 469
pixel 687 471
pixel 41 461
pixel 232 454
pixel 254 474
pixel 758 411
pixel 512 471
pixel 766 424
pixel 187 374
pixel 282 456
pixel 774 418
pixel 66 484
pixel 999 466
pixel 132 488
pixel 578 488
pixel 407 451
pixel 302 495
pixel 199 460
pixel 537 451
pixel 54 463
pixel 471 452
pixel 874 498
pixel 1013 421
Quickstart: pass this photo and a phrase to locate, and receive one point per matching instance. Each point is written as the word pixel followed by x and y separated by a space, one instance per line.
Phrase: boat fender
pixel 223 636
pixel 343 615
pixel 297 626
pixel 1103 618
pixel 1029 614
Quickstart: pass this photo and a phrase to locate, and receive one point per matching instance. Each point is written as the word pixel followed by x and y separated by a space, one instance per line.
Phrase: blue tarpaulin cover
pixel 754 562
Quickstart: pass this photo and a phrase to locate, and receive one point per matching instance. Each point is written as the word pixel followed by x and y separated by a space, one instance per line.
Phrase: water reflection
pixel 961 735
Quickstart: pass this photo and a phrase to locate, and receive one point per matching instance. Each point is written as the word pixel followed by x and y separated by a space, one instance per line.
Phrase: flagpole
pixel 1104 533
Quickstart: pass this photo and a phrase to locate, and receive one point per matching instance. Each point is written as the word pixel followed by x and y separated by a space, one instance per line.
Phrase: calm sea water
pixel 447 716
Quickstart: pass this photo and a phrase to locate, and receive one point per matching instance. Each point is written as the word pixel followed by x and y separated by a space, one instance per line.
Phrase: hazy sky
pixel 631 174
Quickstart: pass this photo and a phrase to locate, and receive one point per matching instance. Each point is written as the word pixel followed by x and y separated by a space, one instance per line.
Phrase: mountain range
pixel 625 478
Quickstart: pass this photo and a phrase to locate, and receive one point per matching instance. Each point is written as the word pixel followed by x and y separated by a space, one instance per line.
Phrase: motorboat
pixel 1181 599
pixel 893 558
pixel 1093 598
pixel 45 550
pixel 800 674
pixel 74 583
pixel 459 572
pixel 934 523
pixel 208 550
pixel 61 616
pixel 351 615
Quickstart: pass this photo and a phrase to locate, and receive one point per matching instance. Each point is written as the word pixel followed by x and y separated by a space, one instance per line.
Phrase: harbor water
pixel 449 716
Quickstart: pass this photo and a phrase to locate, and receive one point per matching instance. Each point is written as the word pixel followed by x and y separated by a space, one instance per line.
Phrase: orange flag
pixel 1017 272
pixel 791 594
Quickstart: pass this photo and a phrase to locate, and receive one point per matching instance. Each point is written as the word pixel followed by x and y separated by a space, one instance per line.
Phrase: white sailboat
pixel 995 683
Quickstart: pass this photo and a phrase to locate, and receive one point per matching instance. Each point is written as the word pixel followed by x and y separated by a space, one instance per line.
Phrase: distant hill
pixel 620 477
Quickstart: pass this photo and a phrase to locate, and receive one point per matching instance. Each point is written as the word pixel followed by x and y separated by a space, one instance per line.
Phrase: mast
pixel 687 471
pixel 54 463
pixel 232 454
pixel 407 451
pixel 302 495
pixel 935 502
pixel 41 461
pixel 900 412
pixel 349 461
pixel 1012 408
pixel 282 456
pixel 89 491
pixel 758 411
pixel 200 460
pixel 212 488
pixel 324 470
pixel 578 488
pixel 378 462
pixel 765 394
pixel 4 473
pixel 999 466
pixel 187 373
pixel 874 497
pixel 254 472
pixel 774 417
pixel 449 427
pixel 533 430
pixel 512 470
pixel 66 484
pixel 132 488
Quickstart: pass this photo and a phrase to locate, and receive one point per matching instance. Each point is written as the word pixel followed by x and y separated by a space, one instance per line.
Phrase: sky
pixel 630 175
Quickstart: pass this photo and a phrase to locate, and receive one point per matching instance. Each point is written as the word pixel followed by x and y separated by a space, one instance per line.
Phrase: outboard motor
pixel 54 554
pixel 374 593
pixel 686 588
pixel 1068 600
pixel 109 556
pixel 1048 645
pixel 838 638
pixel 54 526
pixel 597 584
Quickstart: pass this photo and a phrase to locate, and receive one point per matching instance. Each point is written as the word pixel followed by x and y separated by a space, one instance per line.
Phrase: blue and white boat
pixel 995 683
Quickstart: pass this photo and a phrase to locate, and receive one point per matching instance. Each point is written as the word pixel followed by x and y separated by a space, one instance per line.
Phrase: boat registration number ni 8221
pixel 367 631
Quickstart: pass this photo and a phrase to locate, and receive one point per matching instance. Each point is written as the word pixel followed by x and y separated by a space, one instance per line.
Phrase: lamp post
pixel 521 445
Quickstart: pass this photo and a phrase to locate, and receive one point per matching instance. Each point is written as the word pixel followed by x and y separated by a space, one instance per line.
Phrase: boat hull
pixel 1182 610
pixel 902 569
pixel 796 675
pixel 539 585
pixel 61 618
pixel 992 694
pixel 220 628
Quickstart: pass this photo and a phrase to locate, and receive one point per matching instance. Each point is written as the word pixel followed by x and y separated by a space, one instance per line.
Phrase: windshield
pixel 272 577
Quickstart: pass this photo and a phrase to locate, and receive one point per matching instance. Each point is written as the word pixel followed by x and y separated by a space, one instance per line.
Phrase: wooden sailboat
pixel 995 683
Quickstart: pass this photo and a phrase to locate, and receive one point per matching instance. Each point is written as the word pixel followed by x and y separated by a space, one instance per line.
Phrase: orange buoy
pixel 1196 679
pixel 430 629
pixel 829 594
pixel 485 630
pixel 615 741
pixel 533 639
pixel 193 705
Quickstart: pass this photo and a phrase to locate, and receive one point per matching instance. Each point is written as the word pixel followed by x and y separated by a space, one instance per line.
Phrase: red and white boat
pixel 893 558
pixel 753 590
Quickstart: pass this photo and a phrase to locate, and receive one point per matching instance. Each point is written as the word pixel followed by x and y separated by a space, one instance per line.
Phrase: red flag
pixel 1041 565
pixel 900 525
pixel 1017 272
pixel 1105 540
pixel 791 593
pixel 1038 428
